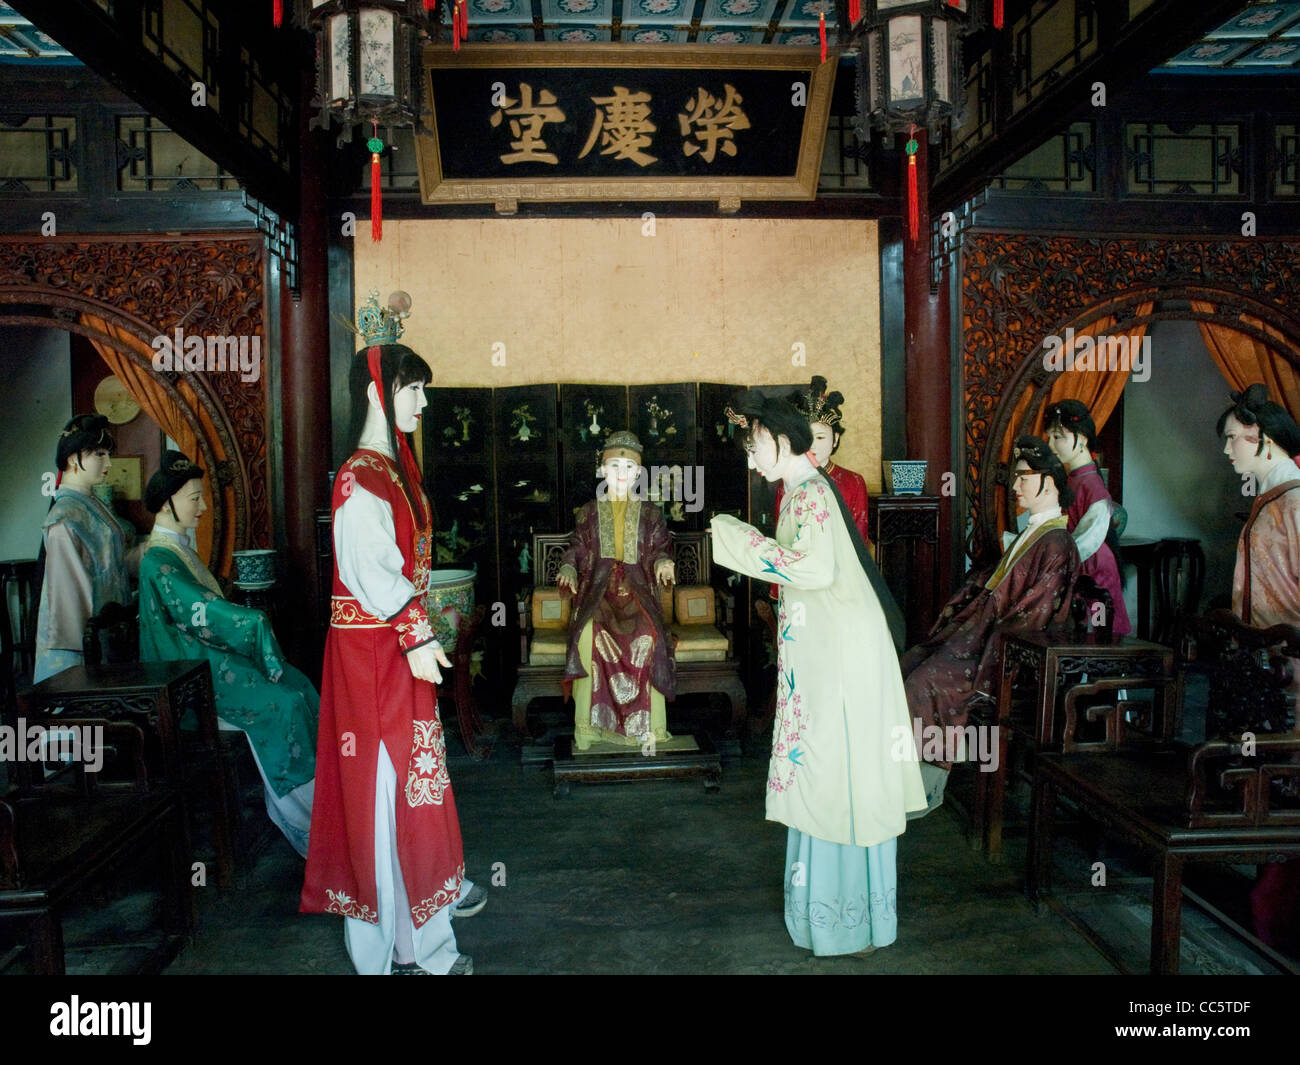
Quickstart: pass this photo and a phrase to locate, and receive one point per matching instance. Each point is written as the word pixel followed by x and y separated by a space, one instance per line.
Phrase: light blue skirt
pixel 840 899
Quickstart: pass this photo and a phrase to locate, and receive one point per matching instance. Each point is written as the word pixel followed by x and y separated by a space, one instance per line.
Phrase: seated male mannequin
pixel 1029 590
pixel 619 664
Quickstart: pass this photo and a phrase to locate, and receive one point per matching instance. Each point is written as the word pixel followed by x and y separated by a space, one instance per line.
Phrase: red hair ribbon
pixel 412 471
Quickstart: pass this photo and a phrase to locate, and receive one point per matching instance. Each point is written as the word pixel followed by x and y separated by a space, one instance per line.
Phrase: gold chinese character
pixel 623 125
pixel 527 128
pixel 716 121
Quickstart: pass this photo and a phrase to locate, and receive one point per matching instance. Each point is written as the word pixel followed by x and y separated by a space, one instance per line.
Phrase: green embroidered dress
pixel 183 615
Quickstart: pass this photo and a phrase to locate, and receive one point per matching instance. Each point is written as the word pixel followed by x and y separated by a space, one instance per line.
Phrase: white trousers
pixel 290 813
pixel 374 948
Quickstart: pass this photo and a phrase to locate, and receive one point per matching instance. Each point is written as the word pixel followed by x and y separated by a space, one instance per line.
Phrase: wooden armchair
pixel 66 832
pixel 705 660
pixel 1234 798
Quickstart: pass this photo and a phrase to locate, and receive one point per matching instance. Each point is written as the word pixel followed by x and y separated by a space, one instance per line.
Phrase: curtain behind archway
pixel 160 407
pixel 1245 361
pixel 1098 390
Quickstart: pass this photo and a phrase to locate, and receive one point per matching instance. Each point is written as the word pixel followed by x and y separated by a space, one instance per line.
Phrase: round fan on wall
pixel 114 402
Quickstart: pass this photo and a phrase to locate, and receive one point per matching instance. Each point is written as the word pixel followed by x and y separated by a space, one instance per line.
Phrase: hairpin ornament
pixel 736 419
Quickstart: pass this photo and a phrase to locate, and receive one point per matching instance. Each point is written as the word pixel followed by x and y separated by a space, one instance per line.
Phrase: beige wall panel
pixel 596 301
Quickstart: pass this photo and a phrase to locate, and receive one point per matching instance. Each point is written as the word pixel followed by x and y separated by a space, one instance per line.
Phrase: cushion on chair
pixel 693 604
pixel 700 643
pixel 551 609
pixel 550 647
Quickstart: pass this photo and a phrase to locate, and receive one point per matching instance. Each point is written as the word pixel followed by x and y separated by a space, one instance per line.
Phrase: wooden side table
pixel 155 695
pixel 897 525
pixel 1058 662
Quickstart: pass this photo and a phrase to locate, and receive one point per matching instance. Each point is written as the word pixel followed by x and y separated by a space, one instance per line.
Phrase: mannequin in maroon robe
pixel 1028 591
pixel 1072 435
pixel 1262 441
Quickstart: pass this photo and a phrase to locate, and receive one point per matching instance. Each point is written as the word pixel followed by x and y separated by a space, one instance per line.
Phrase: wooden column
pixel 305 397
pixel 928 375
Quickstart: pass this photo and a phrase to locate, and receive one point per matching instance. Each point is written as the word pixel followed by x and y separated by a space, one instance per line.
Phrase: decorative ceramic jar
pixel 905 477
pixel 254 569
pixel 450 598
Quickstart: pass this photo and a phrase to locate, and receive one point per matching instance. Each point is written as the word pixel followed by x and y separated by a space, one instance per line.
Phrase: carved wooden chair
pixel 63 835
pixel 705 661
pixel 1234 798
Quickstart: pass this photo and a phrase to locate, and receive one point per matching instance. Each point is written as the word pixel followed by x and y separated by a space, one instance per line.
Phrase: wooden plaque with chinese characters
pixel 510 123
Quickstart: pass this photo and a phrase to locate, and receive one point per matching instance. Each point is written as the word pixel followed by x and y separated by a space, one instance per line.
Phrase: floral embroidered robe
pixel 369 696
pixel 85 569
pixel 604 584
pixel 183 615
pixel 1031 589
pixel 841 709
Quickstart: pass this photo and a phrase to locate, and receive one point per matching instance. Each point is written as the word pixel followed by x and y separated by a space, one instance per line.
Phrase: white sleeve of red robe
pixel 69 588
pixel 1091 531
pixel 369 560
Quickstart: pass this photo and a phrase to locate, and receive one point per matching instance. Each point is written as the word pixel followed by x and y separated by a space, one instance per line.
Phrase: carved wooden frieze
pixel 151 287
pixel 1018 289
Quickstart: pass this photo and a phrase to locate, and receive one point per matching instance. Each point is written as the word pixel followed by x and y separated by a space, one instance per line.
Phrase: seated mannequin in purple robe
pixel 1027 591
pixel 1072 435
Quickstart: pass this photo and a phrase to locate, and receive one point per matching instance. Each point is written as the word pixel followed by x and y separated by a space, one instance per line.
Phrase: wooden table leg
pixel 1166 914
pixel 221 796
pixel 1038 869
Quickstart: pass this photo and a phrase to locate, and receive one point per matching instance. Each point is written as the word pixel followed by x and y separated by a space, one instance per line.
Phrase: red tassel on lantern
pixel 913 201
pixel 277 13
pixel 821 32
pixel 455 27
pixel 997 14
pixel 429 5
pixel 376 187
pixel 855 12
pixel 464 21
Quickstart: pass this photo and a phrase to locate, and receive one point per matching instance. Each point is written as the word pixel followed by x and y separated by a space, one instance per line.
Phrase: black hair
pixel 85 432
pixel 174 472
pixel 1254 407
pixel 805 400
pixel 1042 460
pixel 399 366
pixel 780 417
pixel 1072 416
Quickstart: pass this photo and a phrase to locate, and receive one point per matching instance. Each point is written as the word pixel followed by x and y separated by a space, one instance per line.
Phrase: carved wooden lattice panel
pixel 150 287
pixel 1018 289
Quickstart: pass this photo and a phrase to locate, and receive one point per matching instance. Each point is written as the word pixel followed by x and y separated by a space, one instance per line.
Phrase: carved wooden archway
pixel 1018 289
pixel 149 286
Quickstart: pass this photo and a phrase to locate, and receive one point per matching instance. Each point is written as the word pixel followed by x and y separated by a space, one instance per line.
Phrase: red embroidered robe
pixel 368 694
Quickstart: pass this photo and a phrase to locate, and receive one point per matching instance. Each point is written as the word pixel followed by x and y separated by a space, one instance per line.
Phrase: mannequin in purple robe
pixel 1028 591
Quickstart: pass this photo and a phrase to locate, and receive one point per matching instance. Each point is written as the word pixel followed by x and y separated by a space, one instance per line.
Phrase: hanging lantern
pixel 368 69
pixel 910 75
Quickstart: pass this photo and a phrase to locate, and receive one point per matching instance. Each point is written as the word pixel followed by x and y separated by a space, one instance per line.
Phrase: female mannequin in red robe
pixel 385 847
pixel 822 410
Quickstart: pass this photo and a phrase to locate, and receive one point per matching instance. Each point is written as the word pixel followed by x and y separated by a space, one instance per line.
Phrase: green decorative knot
pixel 910 147
pixel 375 144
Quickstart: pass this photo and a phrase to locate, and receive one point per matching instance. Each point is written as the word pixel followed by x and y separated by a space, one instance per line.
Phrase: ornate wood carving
pixel 1018 289
pixel 151 286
